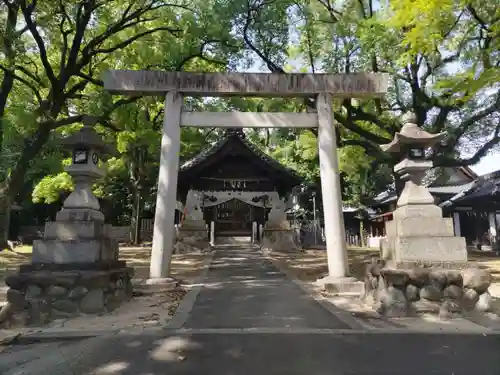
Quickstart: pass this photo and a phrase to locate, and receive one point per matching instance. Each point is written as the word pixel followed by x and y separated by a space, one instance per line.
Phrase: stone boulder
pixel 431 292
pixel 418 276
pixel 477 279
pixel 484 302
pixel 453 292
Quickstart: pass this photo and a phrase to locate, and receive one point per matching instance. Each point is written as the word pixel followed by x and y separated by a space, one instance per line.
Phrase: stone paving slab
pixel 244 290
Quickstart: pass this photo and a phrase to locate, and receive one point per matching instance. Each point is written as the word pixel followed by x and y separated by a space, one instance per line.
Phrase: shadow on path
pixel 244 290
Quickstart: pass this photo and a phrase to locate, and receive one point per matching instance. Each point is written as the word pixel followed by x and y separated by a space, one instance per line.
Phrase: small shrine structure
pixel 233 189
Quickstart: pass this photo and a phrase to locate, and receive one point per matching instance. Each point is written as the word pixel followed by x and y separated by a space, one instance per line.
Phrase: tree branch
pixel 125 43
pixel 84 14
pixel 199 54
pixel 480 153
pixel 27 11
pixel 95 81
pixel 35 90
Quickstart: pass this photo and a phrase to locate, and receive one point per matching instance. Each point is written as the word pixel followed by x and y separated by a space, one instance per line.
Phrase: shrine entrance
pixel 235 217
pixel 323 88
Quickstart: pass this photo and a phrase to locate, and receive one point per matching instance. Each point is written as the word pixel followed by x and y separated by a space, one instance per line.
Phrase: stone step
pixel 229 240
pixel 234 246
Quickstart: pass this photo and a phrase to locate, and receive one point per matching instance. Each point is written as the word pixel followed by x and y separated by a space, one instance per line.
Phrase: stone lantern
pixel 424 266
pixel 79 233
pixel 418 232
pixel 86 147
pixel 75 267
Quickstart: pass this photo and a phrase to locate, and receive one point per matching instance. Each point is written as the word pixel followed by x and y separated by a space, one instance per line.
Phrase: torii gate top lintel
pixel 148 82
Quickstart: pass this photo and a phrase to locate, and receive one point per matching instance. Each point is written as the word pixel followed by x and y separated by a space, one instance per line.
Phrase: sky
pixel 488 164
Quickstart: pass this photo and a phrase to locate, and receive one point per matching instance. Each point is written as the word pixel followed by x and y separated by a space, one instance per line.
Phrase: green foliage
pixel 50 188
pixel 442 58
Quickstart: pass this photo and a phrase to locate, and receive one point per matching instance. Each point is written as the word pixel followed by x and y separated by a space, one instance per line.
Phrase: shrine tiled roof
pixel 203 155
pixel 431 182
pixel 484 187
pixel 238 136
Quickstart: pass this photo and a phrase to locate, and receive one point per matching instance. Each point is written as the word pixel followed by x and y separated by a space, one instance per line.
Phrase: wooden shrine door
pixel 234 217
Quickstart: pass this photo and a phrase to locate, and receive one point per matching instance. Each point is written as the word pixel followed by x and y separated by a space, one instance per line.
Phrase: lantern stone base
pixel 191 239
pixel 75 242
pixel 40 293
pixel 446 292
pixel 426 237
pixel 280 240
pixel 401 250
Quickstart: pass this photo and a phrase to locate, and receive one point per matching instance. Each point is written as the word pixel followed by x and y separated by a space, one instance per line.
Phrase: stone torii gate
pixel 175 85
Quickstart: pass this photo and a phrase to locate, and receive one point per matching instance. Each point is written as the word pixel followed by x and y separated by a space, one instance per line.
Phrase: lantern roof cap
pixel 412 135
pixel 86 137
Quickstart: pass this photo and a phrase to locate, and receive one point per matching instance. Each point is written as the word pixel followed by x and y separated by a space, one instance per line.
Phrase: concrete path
pixel 244 290
pixel 267 354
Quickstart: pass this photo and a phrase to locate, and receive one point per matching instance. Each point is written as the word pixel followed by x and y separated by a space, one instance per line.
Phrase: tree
pixel 53 53
pixel 451 87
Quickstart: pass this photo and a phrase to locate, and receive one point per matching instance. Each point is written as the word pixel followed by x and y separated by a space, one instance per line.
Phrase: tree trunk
pixel 136 218
pixel 5 208
pixel 9 54
pixel 5 89
pixel 13 184
pixel 361 233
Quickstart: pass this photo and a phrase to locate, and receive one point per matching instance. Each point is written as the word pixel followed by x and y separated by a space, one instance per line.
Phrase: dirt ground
pixel 151 305
pixel 185 267
pixel 307 266
pixel 312 265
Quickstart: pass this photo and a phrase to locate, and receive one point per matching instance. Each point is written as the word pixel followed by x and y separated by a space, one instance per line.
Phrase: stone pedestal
pixel 75 242
pixel 192 236
pixel 279 239
pixel 423 237
pixel 345 286
pixel 40 293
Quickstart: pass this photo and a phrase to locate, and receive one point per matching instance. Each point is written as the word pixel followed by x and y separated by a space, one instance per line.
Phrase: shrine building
pixel 234 185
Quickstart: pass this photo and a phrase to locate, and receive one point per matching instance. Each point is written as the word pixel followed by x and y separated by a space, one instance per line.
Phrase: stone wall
pixel 30 233
pixel 120 234
pixel 37 297
pixel 403 292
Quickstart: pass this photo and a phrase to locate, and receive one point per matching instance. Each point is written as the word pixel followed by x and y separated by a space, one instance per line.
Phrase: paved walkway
pixel 244 290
